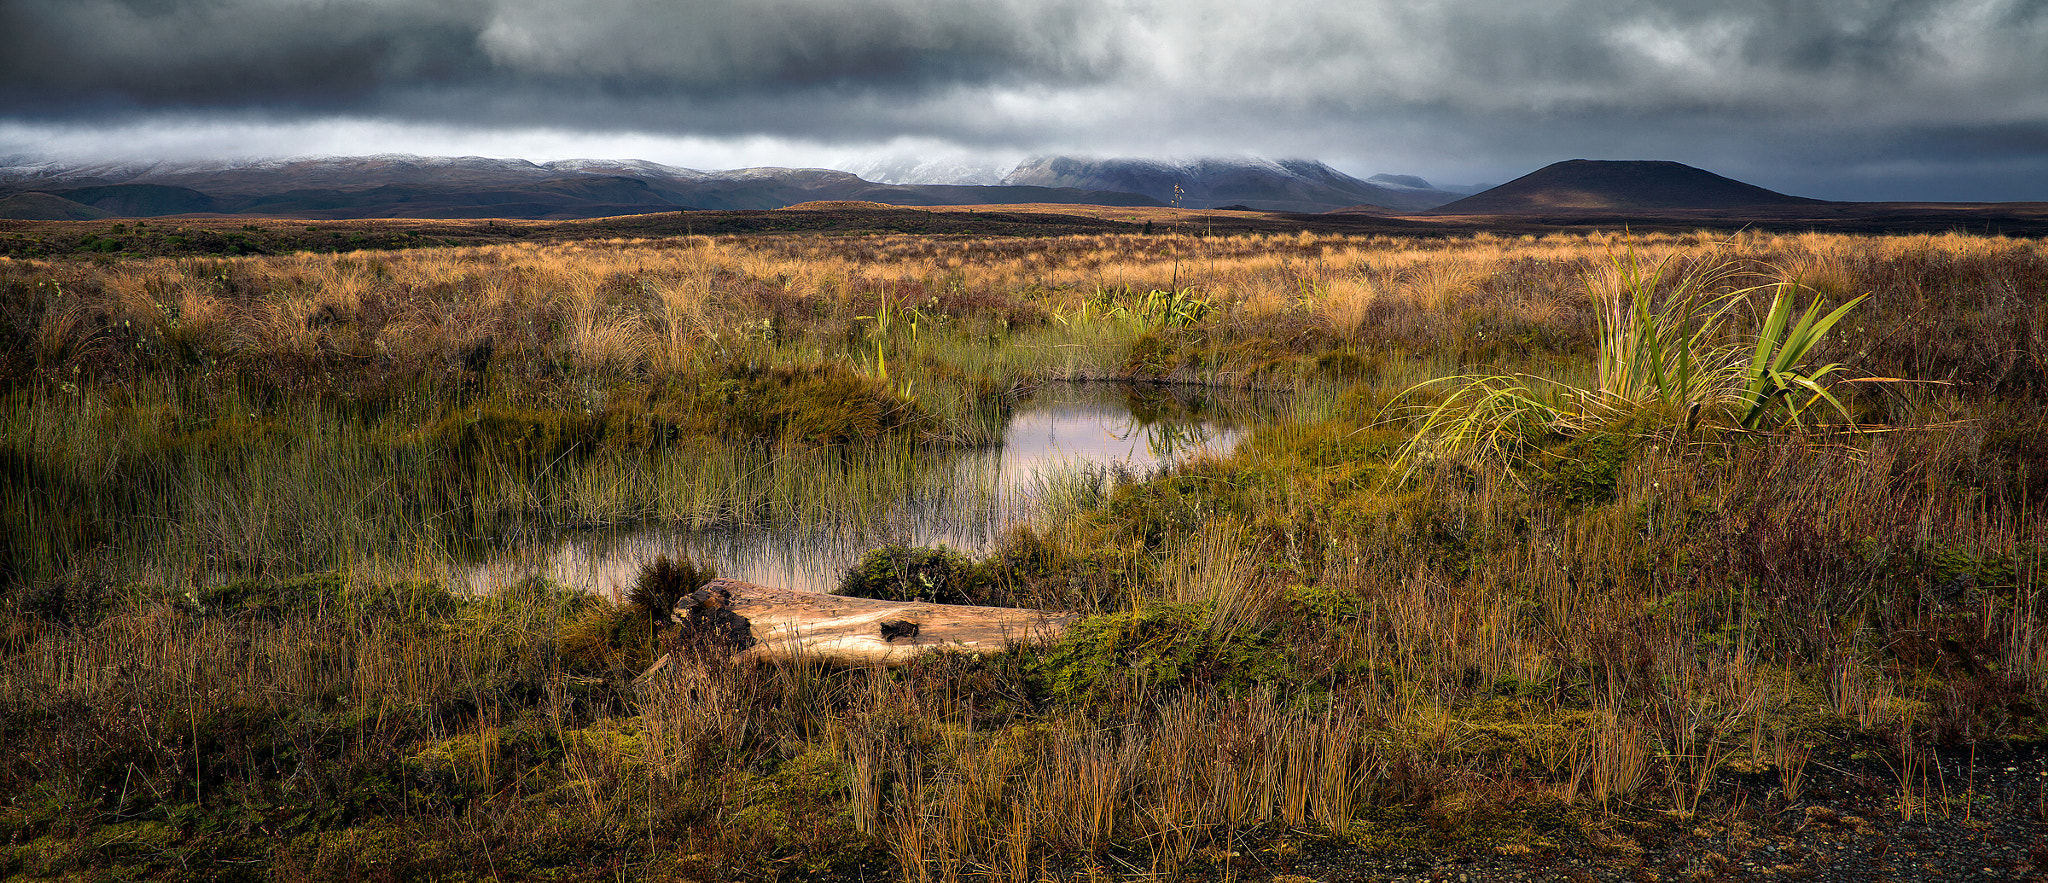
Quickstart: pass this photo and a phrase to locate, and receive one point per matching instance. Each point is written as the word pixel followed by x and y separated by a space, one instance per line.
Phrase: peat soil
pixel 1974 815
pixel 1979 815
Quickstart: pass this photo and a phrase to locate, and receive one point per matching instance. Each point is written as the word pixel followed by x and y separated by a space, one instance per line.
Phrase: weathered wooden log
pixel 785 624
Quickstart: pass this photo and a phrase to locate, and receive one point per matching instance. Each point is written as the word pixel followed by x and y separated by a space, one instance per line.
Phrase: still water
pixel 973 497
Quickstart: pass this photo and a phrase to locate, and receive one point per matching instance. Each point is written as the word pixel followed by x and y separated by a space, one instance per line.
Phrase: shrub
pixel 935 575
pixel 664 581
pixel 1108 661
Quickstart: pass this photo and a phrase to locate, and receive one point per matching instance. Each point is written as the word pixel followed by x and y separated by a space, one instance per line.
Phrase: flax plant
pixel 1666 358
pixel 1775 374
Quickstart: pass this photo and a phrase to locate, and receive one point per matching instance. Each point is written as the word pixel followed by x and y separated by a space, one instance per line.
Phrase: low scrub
pixel 232 491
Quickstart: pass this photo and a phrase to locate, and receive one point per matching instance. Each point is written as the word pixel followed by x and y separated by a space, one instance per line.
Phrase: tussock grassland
pixel 232 490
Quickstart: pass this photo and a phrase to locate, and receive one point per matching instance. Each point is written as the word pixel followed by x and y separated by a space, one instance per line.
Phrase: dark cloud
pixel 78 57
pixel 749 45
pixel 1469 89
pixel 59 55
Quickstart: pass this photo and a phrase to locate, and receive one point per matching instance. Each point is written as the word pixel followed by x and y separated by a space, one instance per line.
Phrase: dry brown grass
pixel 1475 643
pixel 1944 307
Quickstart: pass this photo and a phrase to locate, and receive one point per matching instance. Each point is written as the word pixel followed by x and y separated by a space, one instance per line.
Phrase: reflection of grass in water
pixel 132 487
pixel 1172 422
pixel 724 486
pixel 1170 441
pixel 278 488
pixel 1060 493
pixel 800 513
pixel 1164 441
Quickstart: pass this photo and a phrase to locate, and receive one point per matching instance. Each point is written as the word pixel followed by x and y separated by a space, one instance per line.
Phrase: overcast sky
pixel 1843 99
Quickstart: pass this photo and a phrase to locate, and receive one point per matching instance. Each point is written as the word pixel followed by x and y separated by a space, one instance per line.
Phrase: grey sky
pixel 1850 99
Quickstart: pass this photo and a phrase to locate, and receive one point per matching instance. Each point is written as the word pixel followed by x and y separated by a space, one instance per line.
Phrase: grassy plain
pixel 232 490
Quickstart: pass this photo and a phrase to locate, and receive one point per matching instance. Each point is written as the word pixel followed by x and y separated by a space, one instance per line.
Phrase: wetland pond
pixel 1058 436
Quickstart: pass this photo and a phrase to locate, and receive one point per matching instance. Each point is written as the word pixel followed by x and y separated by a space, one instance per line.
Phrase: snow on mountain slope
pixel 1212 182
pixel 915 170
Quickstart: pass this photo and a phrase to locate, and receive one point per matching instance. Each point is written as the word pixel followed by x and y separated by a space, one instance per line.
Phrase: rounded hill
pixel 1582 185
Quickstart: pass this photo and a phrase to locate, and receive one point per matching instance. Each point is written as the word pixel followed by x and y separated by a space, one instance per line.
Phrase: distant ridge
pixel 140 200
pixel 1288 185
pixel 403 186
pixel 48 207
pixel 1587 185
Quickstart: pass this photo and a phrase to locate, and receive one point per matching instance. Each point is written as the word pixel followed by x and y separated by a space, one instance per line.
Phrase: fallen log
pixel 788 625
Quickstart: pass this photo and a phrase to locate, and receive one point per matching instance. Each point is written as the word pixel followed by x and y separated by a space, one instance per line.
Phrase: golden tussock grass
pixel 1286 638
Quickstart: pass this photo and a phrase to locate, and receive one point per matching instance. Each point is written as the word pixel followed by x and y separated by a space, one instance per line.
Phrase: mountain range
pixel 1261 184
pixel 403 186
pixel 1262 191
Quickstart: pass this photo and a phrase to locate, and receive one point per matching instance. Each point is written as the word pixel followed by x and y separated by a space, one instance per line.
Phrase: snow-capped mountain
pixel 403 185
pixel 1207 182
pixel 399 185
pixel 1213 182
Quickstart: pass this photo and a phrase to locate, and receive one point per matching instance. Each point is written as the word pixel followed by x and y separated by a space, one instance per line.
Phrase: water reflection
pixel 965 501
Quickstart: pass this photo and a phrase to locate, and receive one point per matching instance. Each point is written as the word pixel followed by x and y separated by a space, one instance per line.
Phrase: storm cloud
pixel 1842 98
